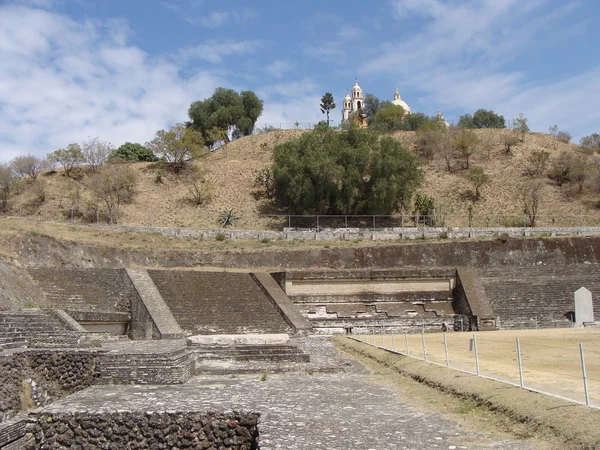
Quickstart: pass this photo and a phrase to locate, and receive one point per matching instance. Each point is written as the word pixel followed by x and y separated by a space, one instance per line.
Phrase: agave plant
pixel 227 218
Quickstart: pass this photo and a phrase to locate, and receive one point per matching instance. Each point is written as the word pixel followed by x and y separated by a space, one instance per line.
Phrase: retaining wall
pixel 148 430
pixel 33 378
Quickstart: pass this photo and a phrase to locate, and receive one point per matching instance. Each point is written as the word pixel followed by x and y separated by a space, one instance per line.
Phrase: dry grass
pixel 230 174
pixel 550 357
pixel 544 416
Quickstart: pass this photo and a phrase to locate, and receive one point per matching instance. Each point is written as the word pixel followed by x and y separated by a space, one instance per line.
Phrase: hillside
pixel 230 174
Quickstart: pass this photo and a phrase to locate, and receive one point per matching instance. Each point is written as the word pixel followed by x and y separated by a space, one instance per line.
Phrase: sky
pixel 120 70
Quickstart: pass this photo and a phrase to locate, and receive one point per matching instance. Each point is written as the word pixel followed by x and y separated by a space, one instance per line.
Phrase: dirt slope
pixel 230 173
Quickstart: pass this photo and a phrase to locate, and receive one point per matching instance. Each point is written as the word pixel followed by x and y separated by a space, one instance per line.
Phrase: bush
pixel 509 140
pixel 564 137
pixel 538 162
pixel 482 119
pixel 134 152
pixel 478 177
pixel 263 179
pixel 220 237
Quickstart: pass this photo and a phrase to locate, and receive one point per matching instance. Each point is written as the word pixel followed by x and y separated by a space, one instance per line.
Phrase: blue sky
pixel 120 70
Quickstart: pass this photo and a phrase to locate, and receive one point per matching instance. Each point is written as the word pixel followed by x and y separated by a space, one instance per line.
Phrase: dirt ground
pixel 551 357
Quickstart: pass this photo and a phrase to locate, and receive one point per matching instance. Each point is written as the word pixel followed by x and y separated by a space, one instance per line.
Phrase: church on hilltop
pixel 353 108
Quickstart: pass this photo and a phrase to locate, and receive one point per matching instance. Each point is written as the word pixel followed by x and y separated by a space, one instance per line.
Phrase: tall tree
pixel 96 152
pixel 352 172
pixel 178 146
pixel 482 118
pixel 236 113
pixel 327 104
pixel 132 151
pixel 591 142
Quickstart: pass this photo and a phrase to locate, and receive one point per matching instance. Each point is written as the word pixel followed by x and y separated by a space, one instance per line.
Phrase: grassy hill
pixel 230 174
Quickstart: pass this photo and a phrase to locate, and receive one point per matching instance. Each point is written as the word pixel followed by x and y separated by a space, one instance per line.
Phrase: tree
pixel 414 121
pixel 466 121
pixel 226 110
pixel 579 169
pixel 96 152
pixel 28 165
pixel 478 177
pixel 509 140
pixel 538 162
pixel 431 140
pixel 113 186
pixel 591 142
pixel 530 194
pixel 348 172
pixel 132 151
pixel 553 130
pixel 7 183
pixel 372 105
pixel 178 146
pixel 466 144
pixel 559 168
pixel 388 118
pixel 68 158
pixel 327 104
pixel 482 118
pixel 520 126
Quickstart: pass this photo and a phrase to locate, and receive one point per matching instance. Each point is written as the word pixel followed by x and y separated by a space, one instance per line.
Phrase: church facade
pixel 354 103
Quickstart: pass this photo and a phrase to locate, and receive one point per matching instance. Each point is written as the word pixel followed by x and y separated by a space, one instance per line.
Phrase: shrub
pixel 220 237
pixel 198 187
pixel 263 179
pixel 559 168
pixel 509 140
pixel 538 162
pixel 564 137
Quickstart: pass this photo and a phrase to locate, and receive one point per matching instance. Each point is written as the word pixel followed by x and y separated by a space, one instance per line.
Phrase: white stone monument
pixel 584 308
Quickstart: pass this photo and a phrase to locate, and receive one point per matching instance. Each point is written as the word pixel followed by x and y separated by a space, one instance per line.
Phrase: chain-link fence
pixel 156 218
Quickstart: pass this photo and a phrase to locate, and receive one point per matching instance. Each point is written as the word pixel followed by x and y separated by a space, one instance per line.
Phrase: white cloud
pixel 62 81
pixel 459 59
pixel 215 19
pixel 279 67
pixel 214 51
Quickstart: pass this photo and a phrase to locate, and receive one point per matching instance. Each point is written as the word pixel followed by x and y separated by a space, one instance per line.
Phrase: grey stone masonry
pixel 294 317
pixel 154 305
pixel 470 290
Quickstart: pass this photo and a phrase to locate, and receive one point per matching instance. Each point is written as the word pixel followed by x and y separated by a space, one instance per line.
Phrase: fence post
pixel 345 221
pixel 585 383
pixel 381 334
pixel 373 329
pixel 373 223
pixel 318 229
pixel 290 222
pixel 476 354
pixel 520 362
pixel 446 350
pixel 393 341
pixel 423 339
pixel 406 340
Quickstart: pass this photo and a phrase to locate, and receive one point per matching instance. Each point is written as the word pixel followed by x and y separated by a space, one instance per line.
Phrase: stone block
pixel 238 339
pixel 584 307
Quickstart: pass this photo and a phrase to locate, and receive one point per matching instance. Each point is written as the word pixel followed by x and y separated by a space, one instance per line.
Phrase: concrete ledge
pixel 238 339
pixel 292 315
pixel 153 305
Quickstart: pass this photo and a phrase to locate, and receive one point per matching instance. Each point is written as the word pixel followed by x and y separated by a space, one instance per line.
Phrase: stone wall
pixel 33 378
pixel 94 289
pixel 542 296
pixel 148 430
pixel 45 251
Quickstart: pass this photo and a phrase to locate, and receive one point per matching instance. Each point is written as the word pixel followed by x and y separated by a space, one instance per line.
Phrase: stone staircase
pixel 218 302
pixel 35 328
pixel 542 296
pixel 107 290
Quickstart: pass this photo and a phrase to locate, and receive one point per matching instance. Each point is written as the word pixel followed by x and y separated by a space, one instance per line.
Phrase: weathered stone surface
pixel 238 339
